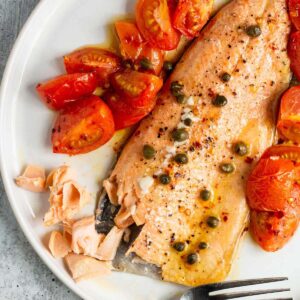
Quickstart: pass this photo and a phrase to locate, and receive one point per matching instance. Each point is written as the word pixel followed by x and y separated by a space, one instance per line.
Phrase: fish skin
pixel 260 72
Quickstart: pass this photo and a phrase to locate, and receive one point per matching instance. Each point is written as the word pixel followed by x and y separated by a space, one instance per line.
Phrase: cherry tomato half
pixel 126 115
pixel 59 91
pixel 134 96
pixel 136 49
pixel 191 15
pixel 272 230
pixel 91 59
pixel 83 126
pixel 294 53
pixel 154 22
pixel 289 116
pixel 135 87
pixel 294 10
pixel 282 151
pixel 272 186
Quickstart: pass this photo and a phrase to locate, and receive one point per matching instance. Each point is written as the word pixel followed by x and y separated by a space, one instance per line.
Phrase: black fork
pixel 205 292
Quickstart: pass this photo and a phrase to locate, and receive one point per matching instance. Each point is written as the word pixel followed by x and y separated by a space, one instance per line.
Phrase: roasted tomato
pixel 136 88
pixel 154 22
pixel 126 115
pixel 294 53
pixel 191 15
pixel 294 9
pixel 97 60
pixel 282 151
pixel 134 96
pixel 289 116
pixel 272 186
pixel 136 49
pixel 83 126
pixel 59 91
pixel 272 230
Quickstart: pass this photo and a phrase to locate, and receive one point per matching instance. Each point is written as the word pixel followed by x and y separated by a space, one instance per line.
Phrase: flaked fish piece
pixel 259 72
pixel 66 201
pixel 33 179
pixel 85 239
pixel 85 268
pixel 109 246
pixel 58 245
pixel 60 176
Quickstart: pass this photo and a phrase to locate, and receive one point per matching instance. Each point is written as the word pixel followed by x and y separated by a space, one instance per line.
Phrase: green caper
pixel 146 64
pixel 164 179
pixel 148 151
pixel 203 246
pixel 179 246
pixel 181 158
pixel 253 30
pixel 180 135
pixel 227 168
pixel 225 77
pixel 192 258
pixel 220 101
pixel 176 86
pixel 241 149
pixel 205 195
pixel 180 97
pixel 127 63
pixel 168 66
pixel 188 122
pixel 212 222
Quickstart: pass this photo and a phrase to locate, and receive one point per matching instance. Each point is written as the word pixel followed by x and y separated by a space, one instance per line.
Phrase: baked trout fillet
pixel 232 77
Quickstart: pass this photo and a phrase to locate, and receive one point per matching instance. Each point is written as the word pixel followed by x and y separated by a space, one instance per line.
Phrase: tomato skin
pixel 92 59
pixel 272 230
pixel 133 98
pixel 154 22
pixel 59 91
pixel 282 151
pixel 294 12
pixel 289 116
pixel 126 115
pixel 83 126
pixel 294 53
pixel 191 15
pixel 135 87
pixel 134 48
pixel 272 186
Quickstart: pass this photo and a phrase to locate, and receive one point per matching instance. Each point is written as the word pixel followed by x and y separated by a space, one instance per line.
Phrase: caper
pixel 180 97
pixel 168 66
pixel 181 158
pixel 179 246
pixel 241 149
pixel 253 30
pixel 205 195
pixel 192 258
pixel 227 168
pixel 164 179
pixel 148 151
pixel 203 246
pixel 146 64
pixel 212 222
pixel 180 135
pixel 220 101
pixel 127 63
pixel 176 86
pixel 225 77
pixel 188 122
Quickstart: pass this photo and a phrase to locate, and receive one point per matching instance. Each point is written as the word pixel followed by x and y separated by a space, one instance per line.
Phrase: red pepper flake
pixel 249 160
pixel 225 218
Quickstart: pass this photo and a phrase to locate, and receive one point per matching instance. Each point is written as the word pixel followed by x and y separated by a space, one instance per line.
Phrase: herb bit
pixel 146 64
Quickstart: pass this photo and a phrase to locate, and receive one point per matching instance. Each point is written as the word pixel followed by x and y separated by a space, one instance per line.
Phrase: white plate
pixel 57 27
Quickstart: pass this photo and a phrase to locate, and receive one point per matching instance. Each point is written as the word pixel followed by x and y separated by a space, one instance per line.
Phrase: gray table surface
pixel 22 273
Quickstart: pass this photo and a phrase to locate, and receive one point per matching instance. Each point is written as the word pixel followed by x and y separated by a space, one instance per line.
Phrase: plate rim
pixel 35 14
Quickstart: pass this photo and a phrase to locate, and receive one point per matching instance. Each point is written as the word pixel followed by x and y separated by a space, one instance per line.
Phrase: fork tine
pixel 246 294
pixel 240 283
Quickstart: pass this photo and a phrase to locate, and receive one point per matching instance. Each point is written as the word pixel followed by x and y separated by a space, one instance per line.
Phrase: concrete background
pixel 22 274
